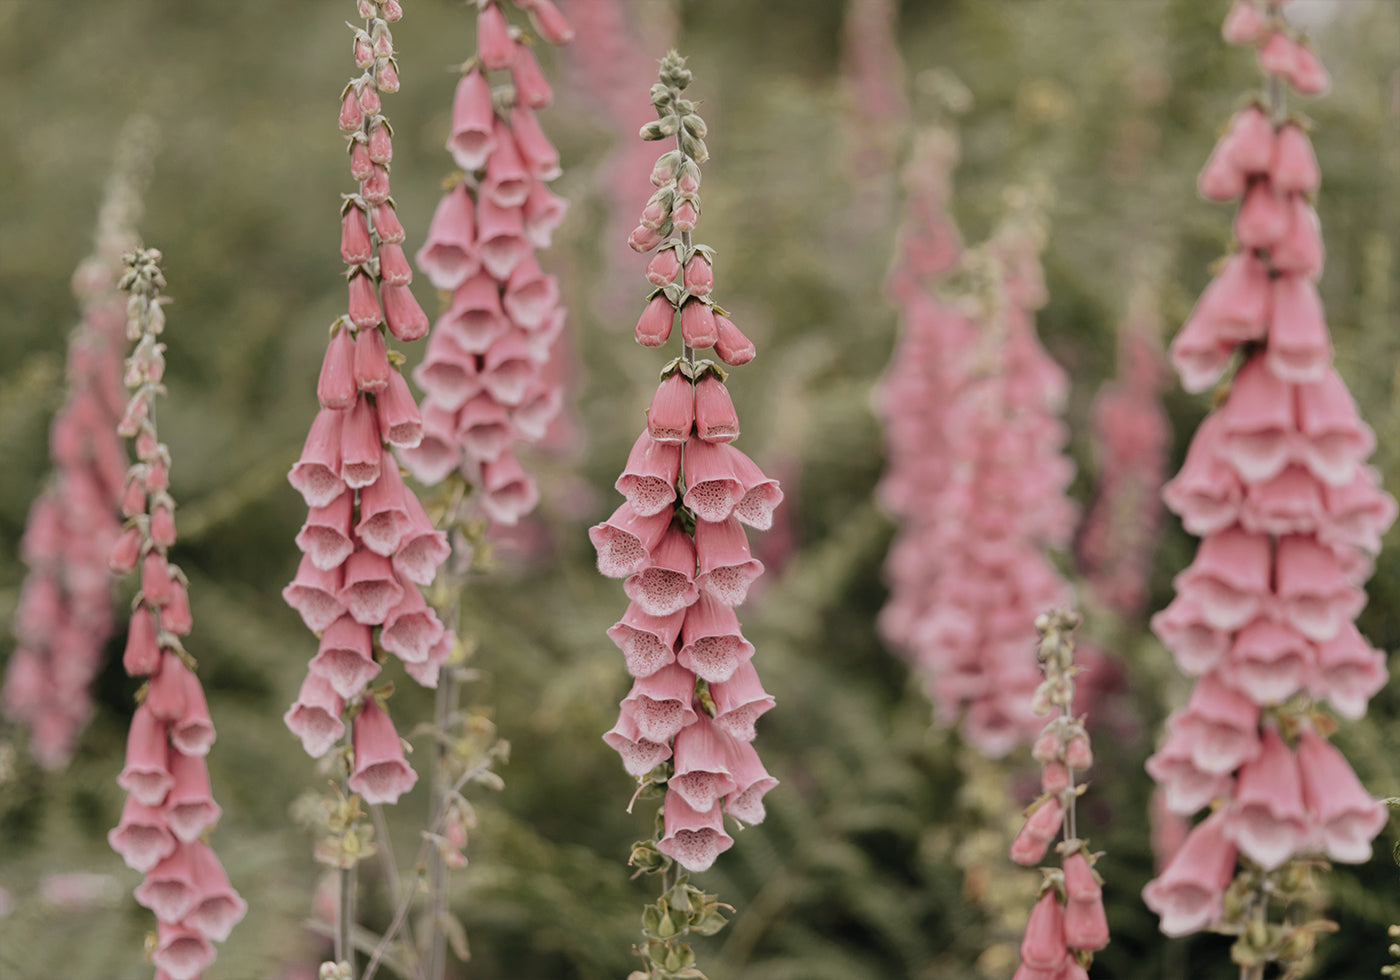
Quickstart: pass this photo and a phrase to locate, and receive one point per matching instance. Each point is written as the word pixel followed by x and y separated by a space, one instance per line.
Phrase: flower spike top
pixel 1290 518
pixel 493 372
pixel 686 728
pixel 169 807
pixel 367 544
pixel 1067 925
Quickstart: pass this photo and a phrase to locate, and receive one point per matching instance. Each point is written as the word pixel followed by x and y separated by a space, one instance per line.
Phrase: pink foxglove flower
pixel 977 478
pixel 64 614
pixel 680 544
pixel 1265 611
pixel 487 377
pixel 170 803
pixel 367 545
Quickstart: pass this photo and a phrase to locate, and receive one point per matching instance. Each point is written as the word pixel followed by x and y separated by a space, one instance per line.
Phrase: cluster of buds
pixel 169 807
pixel 368 544
pixel 1067 924
pixel 1275 483
pixel 679 542
pixel 64 616
pixel 490 373
pixel 978 552
pixel 1132 436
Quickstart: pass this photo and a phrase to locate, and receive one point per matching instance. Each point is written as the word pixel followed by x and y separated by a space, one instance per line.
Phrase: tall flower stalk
pixel 984 486
pixel 367 543
pixel 686 728
pixel 1290 518
pixel 491 373
pixel 1067 925
pixel 169 806
pixel 64 616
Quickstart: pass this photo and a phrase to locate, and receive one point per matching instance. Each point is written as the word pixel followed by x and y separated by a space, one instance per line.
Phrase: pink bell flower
pixel 712 645
pixel 1269 662
pixel 762 493
pixel 1038 832
pixel 484 428
pixel 654 325
pixel 192 733
pixel 1219 726
pixel 1345 818
pixel 715 417
pixel 726 567
pixel 1207 493
pixel 1300 251
pixel 449 257
pixel 473 136
pixel 190 809
pixel 380 774
pixel 731 345
pixel 387 224
pixel 1263 218
pixel 626 540
pixel 411 629
pixel 713 489
pixel 362 304
pixel 510 492
pixel 142 654
pixel 1334 439
pixel 540 156
pixel 548 21
pixel 494 45
pixel 146 775
pixel 217 908
pixel 316 475
pixel 1349 672
pixel 648 481
pixel 1086 926
pixel 1244 24
pixel 500 237
pixel 1299 349
pixel 181 952
pixel 667 584
pixel 165 697
pixel 1188 894
pixel 345 657
pixel 383 509
pixel 509 366
pixel 315 594
pixel 475 319
pixel 701 759
pixel 639 756
pixel 1288 503
pixel 531 86
pixel 169 889
pixel 361 447
pixel 336 385
pixel 142 837
pixel 402 314
pixel 371 361
pixel 660 703
pixel 739 702
pixel 1266 819
pixel 530 294
pixel 315 715
pixel 370 589
pixel 1308 75
pixel 507 182
pixel 698 327
pixel 1043 948
pixel 646 641
pixel 325 538
pixel 672 413
pixel 693 838
pixel 400 423
pixel 543 213
pixel 1257 422
pixel 449 374
pixel 1229 579
pixel 751 782
pixel 1314 596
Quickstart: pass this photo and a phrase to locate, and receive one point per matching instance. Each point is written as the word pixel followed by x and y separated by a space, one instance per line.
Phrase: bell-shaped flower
pixel 370 589
pixel 217 908
pixel 380 773
pixel 1257 425
pixel 315 593
pixel 648 481
pixel 326 538
pixel 449 255
pixel 1187 895
pixel 1334 439
pixel 626 540
pixel 1266 819
pixel 639 756
pixel 739 701
pixel 1314 596
pixel 660 703
pixel 1269 662
pixel 190 809
pixel 1349 672
pixel 315 715
pixel 646 641
pixel 751 783
pixel 667 584
pixel 1219 726
pixel 693 838
pixel 1345 818
pixel 473 136
pixel 1039 830
pixel 726 567
pixel 146 775
pixel 712 645
pixel 1229 580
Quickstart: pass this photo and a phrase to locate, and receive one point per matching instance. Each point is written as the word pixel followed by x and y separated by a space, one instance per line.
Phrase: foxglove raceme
pixel 488 375
pixel 1275 483
pixel 680 545
pixel 169 805
pixel 367 543
pixel 64 616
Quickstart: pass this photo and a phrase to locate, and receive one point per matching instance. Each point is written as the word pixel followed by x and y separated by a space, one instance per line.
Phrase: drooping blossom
pixel 64 616
pixel 490 373
pixel 367 544
pixel 678 540
pixel 170 807
pixel 977 473
pixel 1290 518
pixel 1068 923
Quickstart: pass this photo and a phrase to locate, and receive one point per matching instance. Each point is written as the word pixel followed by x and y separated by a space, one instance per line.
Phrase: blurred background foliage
pixel 881 855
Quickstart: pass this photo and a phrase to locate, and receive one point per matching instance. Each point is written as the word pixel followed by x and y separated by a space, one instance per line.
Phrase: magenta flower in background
pixel 170 805
pixel 64 616
pixel 1290 516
